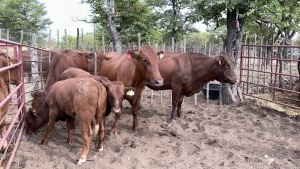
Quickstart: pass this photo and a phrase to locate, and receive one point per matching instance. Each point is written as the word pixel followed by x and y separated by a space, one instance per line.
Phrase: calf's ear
pixel 131 54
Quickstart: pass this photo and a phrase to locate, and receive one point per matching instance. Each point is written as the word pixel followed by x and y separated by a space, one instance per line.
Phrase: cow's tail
pixel 98 111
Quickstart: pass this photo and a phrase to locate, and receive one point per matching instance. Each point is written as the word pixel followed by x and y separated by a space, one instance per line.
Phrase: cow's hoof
pixel 81 161
pixel 100 149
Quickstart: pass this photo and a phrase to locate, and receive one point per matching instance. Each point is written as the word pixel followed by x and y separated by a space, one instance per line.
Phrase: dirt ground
pixel 207 136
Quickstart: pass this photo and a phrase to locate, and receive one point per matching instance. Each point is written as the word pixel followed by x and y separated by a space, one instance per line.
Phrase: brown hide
pixel 11 75
pixel 186 73
pixel 7 77
pixel 61 61
pixel 134 69
pixel 3 110
pixel 115 89
pixel 80 98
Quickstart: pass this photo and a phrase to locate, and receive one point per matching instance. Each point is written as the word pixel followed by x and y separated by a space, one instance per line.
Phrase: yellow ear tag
pixel 130 93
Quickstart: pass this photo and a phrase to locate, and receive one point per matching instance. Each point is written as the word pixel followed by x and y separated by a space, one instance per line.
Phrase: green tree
pixel 131 17
pixel 18 15
pixel 173 17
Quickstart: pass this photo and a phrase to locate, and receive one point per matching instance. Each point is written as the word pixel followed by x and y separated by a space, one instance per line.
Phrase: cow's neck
pixel 206 72
pixel 139 75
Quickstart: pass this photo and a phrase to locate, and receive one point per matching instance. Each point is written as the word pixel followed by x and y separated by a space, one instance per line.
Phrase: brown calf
pixel 81 98
pixel 115 91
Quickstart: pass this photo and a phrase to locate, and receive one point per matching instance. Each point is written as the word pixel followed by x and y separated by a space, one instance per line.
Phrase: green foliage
pixel 173 17
pixel 132 17
pixel 17 15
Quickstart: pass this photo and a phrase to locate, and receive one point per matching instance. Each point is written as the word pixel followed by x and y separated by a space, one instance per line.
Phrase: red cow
pixel 80 98
pixel 134 69
pixel 186 73
pixel 61 61
pixel 6 77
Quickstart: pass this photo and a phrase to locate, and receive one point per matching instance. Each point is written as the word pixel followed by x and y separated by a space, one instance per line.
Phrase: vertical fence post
pixel 58 44
pixel 77 39
pixel 7 34
pixel 21 39
pixel 34 59
pixel 197 45
pixel 184 44
pixel 49 38
pixel 82 40
pixel 95 56
pixel 0 33
pixel 139 41
pixel 66 38
pixel 103 42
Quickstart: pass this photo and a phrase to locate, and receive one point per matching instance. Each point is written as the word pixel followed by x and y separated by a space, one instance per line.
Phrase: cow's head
pixel 225 73
pixel 115 93
pixel 38 115
pixel 12 73
pixel 149 59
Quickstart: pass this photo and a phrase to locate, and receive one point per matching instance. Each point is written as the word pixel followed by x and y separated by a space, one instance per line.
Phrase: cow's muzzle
pixel 159 82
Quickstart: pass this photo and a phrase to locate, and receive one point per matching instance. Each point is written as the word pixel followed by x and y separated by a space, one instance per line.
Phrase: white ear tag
pixel 161 55
pixel 130 93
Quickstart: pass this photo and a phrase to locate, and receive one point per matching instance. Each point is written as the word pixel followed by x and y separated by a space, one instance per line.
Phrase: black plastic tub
pixel 214 90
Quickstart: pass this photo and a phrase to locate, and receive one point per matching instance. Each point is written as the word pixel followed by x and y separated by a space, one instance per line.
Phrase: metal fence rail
pixel 271 73
pixel 16 110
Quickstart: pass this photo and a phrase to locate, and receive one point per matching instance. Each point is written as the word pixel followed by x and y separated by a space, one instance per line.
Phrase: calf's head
pixel 38 115
pixel 115 93
pixel 225 73
pixel 149 59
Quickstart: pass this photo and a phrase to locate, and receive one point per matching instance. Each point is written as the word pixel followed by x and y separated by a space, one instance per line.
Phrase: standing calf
pixel 81 98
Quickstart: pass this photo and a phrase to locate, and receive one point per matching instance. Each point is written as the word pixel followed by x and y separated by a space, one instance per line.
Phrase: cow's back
pixel 117 67
pixel 76 95
pixel 61 62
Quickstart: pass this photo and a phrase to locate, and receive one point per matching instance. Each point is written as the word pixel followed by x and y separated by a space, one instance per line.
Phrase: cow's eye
pixel 145 61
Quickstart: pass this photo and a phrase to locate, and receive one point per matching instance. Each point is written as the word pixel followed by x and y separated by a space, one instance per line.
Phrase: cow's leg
pixel 115 125
pixel 135 106
pixel 3 131
pixel 175 100
pixel 86 127
pixel 53 114
pixel 116 122
pixel 70 127
pixel 179 105
pixel 101 135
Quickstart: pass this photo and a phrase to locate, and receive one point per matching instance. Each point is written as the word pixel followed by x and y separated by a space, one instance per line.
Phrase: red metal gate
pixel 16 109
pixel 271 73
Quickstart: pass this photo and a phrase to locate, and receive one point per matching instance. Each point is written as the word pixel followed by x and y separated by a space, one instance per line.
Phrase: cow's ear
pixel 129 91
pixel 220 60
pixel 13 61
pixel 104 81
pixel 160 54
pixel 132 55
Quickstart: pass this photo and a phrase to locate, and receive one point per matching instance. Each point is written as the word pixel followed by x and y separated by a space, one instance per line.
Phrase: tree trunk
pixel 174 24
pixel 232 93
pixel 117 45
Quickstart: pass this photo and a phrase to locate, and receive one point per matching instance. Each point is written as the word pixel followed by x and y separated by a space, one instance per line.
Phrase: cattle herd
pixel 72 94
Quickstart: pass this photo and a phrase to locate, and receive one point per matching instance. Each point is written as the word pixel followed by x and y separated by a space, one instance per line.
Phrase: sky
pixel 62 15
